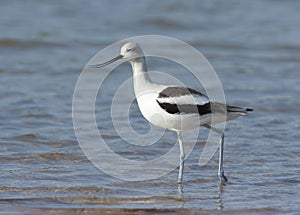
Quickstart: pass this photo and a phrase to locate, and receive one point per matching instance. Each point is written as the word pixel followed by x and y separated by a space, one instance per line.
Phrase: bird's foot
pixel 222 177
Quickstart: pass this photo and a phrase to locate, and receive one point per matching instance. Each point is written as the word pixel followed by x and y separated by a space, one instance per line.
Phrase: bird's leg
pixel 221 151
pixel 182 156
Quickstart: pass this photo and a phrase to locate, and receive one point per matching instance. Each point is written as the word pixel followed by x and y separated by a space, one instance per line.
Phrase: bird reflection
pixel 219 196
pixel 180 189
pixel 220 204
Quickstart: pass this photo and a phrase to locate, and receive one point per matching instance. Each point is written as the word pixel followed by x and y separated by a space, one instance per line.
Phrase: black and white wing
pixel 181 100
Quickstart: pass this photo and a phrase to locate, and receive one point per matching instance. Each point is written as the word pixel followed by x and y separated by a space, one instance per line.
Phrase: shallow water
pixel 254 48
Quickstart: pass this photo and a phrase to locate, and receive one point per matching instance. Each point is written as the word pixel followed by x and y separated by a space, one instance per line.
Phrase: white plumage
pixel 175 107
pixel 185 99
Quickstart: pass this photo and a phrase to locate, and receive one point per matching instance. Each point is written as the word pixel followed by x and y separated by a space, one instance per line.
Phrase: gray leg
pixel 221 150
pixel 182 156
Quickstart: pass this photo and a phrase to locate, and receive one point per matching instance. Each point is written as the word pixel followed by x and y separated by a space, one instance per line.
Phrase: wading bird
pixel 180 108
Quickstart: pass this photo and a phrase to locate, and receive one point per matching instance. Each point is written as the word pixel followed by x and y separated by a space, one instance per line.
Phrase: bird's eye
pixel 129 49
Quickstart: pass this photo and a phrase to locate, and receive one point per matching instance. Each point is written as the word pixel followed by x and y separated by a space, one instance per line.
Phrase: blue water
pixel 254 48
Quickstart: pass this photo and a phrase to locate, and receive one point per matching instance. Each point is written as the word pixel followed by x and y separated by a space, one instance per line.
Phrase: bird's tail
pixel 236 109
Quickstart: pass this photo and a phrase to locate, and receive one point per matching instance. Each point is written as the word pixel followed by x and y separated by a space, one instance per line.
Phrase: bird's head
pixel 129 52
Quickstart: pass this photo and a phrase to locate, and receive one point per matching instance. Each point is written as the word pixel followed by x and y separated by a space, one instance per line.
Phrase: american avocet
pixel 179 108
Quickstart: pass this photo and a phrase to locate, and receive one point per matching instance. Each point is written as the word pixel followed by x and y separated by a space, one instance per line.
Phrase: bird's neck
pixel 141 79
